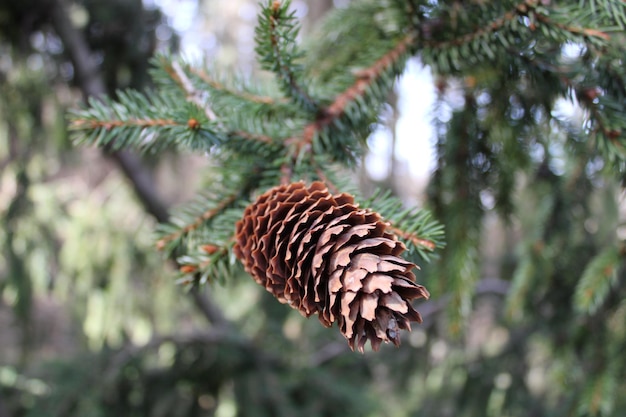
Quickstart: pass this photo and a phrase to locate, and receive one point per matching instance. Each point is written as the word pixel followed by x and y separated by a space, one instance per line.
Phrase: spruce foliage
pixel 504 144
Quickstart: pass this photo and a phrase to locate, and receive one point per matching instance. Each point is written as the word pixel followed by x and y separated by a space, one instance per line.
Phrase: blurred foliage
pixel 529 166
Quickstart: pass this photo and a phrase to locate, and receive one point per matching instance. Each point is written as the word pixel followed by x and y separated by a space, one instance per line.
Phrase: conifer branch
pixel 177 73
pixel 286 172
pixel 416 240
pixel 324 178
pixel 574 30
pixel 610 133
pixel 364 79
pixel 84 124
pixel 276 40
pixel 523 9
pixel 244 95
pixel 282 61
pixel 193 267
pixel 207 215
pixel 180 77
pixel 496 25
pixel 251 136
pixel 585 95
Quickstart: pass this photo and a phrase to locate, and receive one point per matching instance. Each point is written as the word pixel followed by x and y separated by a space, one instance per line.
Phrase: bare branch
pixel 193 96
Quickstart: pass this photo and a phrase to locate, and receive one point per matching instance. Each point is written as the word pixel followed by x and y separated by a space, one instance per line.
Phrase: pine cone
pixel 323 255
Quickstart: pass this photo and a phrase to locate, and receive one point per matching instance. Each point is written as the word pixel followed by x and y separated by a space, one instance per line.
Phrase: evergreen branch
pixel 324 178
pixel 197 222
pixel 526 15
pixel 417 241
pixel 87 124
pixel 188 265
pixel 523 9
pixel 590 97
pixel 144 121
pixel 364 80
pixel 251 136
pixel 484 30
pixel 574 30
pixel 597 280
pixel 616 10
pixel 201 267
pixel 244 95
pixel 178 75
pixel 276 47
pixel 413 226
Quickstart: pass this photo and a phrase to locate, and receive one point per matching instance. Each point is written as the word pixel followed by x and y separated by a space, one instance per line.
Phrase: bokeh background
pixel 91 320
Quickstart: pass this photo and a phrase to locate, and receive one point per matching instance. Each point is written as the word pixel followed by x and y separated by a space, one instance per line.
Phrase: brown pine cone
pixel 323 255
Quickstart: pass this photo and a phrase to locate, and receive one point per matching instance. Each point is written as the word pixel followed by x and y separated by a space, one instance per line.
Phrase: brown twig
pixel 179 76
pixel 286 171
pixel 331 186
pixel 204 76
pixel 364 79
pixel 589 32
pixel 497 24
pixel 207 215
pixel 110 124
pixel 252 136
pixel 521 10
pixel 336 109
pixel 416 240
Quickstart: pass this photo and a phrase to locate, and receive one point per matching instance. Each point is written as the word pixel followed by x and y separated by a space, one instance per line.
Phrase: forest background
pixel 528 314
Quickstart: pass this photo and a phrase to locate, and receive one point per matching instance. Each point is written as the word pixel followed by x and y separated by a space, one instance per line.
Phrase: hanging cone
pixel 323 255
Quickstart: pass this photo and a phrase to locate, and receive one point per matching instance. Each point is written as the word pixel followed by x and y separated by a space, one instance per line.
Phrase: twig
pixel 204 76
pixel 326 116
pixel 331 186
pixel 364 79
pixel 197 222
pixel 110 124
pixel 286 172
pixel 482 30
pixel 251 136
pixel 193 96
pixel 417 241
pixel 592 33
pixel 520 10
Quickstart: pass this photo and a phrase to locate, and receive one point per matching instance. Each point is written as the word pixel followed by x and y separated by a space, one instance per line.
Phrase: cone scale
pixel 321 254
